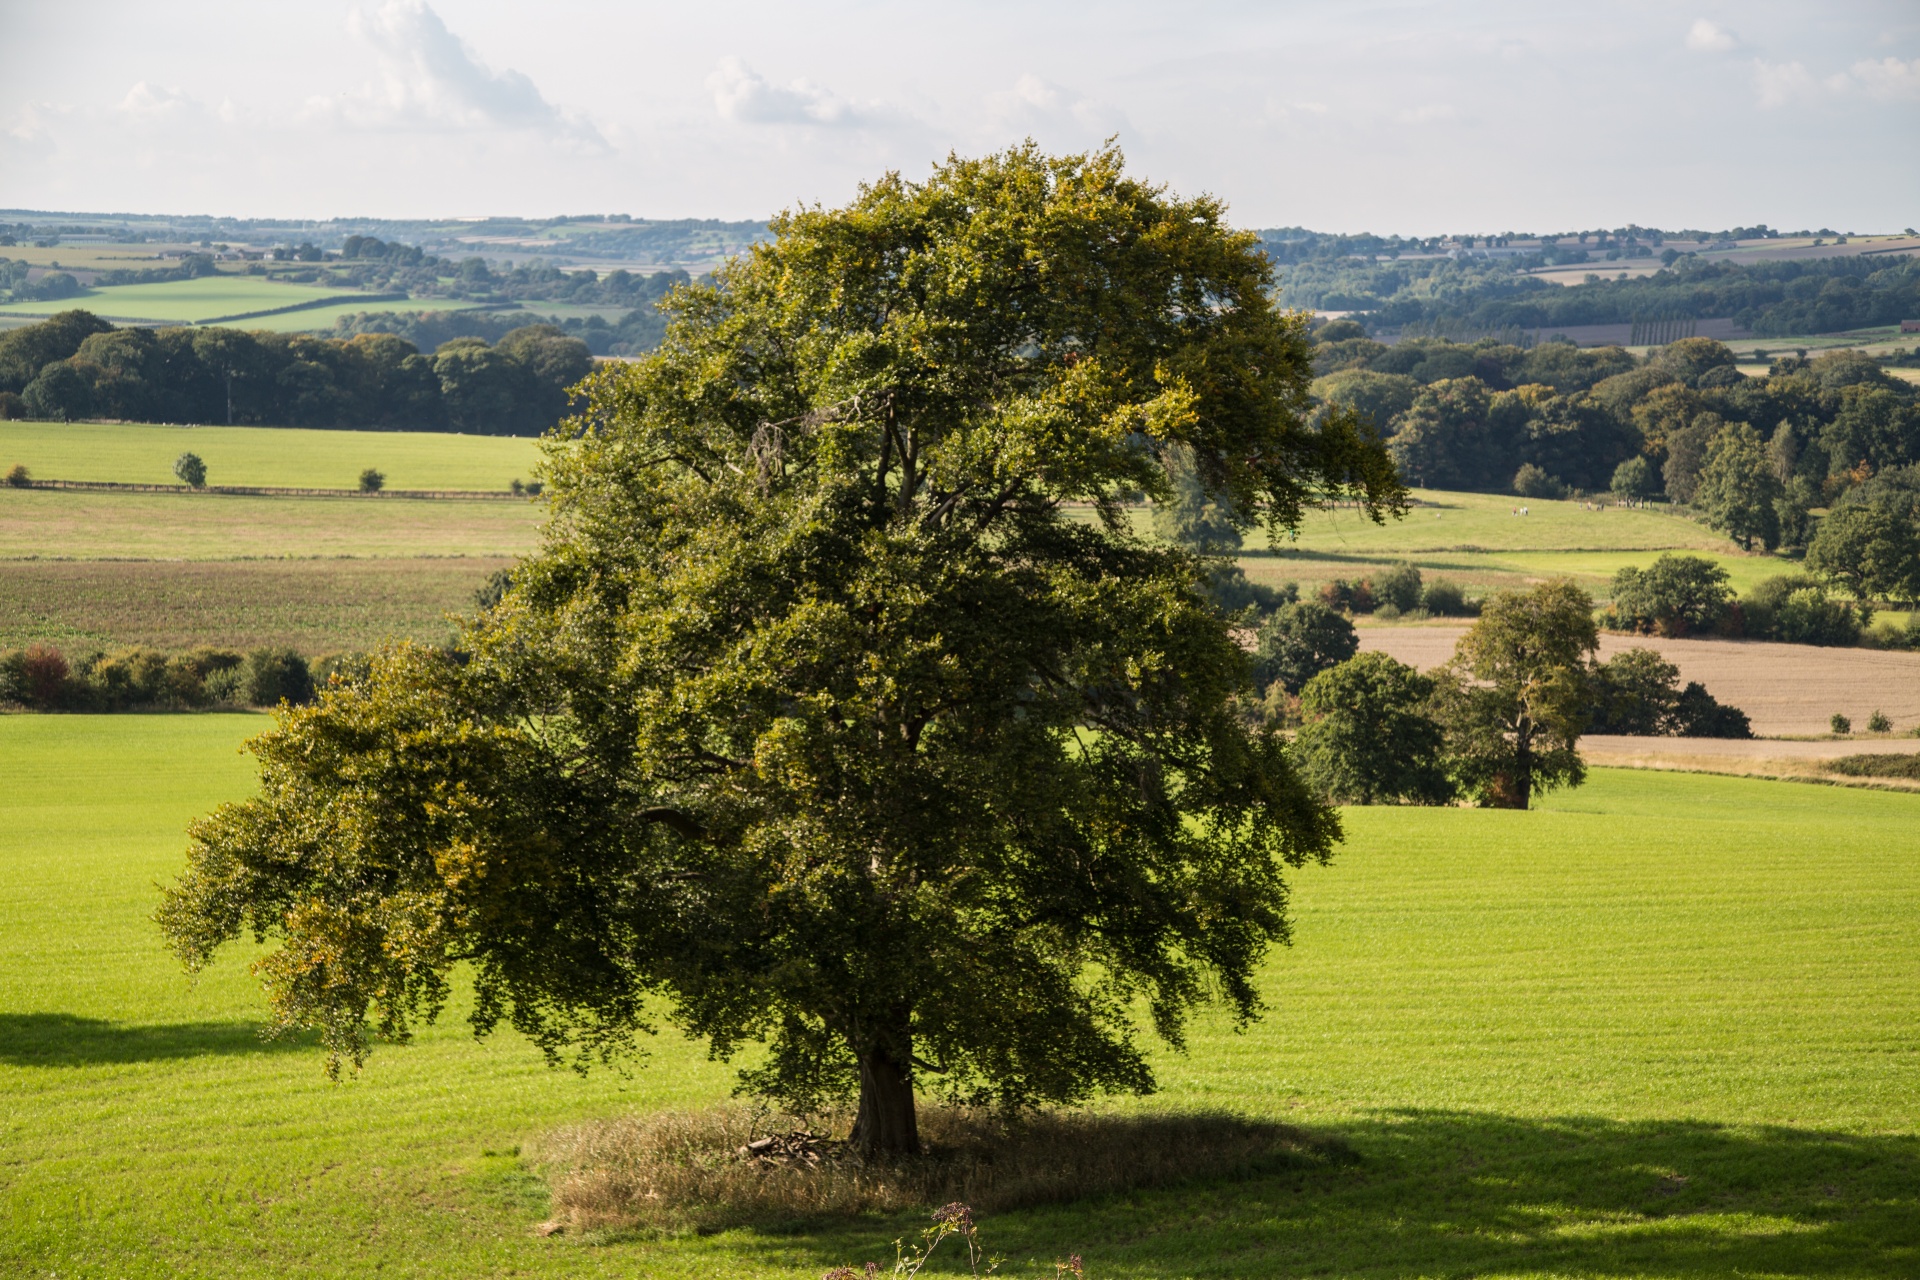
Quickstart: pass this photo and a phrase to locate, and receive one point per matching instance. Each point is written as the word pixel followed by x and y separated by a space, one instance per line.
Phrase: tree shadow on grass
pixel 1467 1194
pixel 63 1040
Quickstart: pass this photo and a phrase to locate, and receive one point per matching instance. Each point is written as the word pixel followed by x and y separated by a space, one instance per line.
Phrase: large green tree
pixel 1366 737
pixel 818 721
pixel 1738 489
pixel 1515 698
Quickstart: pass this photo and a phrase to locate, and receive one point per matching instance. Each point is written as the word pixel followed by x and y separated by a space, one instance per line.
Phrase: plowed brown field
pixel 1784 688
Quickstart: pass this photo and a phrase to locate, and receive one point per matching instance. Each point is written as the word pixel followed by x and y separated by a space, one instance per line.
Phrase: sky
pixel 1391 116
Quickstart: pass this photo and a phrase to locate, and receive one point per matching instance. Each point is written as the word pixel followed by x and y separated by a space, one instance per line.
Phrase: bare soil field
pixel 1758 757
pixel 1785 689
pixel 315 606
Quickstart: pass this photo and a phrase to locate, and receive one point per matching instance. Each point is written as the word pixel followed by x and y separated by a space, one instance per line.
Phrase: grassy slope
pixel 312 605
pixel 79 525
pixel 183 300
pixel 1476 537
pixel 1662 1028
pixel 292 457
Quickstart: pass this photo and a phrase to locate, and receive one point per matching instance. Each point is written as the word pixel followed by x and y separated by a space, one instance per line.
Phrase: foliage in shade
pixel 1299 641
pixel 1367 738
pixel 816 722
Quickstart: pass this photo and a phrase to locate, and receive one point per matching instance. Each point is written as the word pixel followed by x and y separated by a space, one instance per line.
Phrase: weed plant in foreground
pixel 705 1170
pixel 1663 1026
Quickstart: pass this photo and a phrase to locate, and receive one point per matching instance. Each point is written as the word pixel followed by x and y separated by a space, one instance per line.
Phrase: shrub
pixel 1840 724
pixel 132 678
pixel 1877 766
pixel 1795 608
pixel 1444 598
pixel 226 687
pixel 19 477
pixel 1531 481
pixel 346 668
pixel 1635 479
pixel 44 674
pixel 272 676
pixel 1878 723
pixel 1351 597
pixel 191 470
pixel 1298 642
pixel 372 481
pixel 1634 693
pixel 1696 714
pixel 1673 596
pixel 1399 587
pixel 516 487
pixel 1367 738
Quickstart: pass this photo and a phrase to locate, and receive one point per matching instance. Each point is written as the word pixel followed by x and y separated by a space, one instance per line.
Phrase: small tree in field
pixel 1367 738
pixel 372 481
pixel 1515 697
pixel 190 470
pixel 817 722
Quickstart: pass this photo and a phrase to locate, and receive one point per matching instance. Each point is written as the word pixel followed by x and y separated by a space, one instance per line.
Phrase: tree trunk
pixel 1513 789
pixel 885 1123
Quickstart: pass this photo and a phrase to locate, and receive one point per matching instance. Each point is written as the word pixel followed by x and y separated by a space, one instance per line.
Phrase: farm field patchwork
pixel 51 524
pixel 314 606
pixel 1479 539
pixel 183 301
pixel 129 453
pixel 1662 1026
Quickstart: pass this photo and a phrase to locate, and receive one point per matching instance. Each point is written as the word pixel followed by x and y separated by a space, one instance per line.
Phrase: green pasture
pixel 313 605
pixel 293 457
pixel 320 320
pixel 1662 1027
pixel 185 301
pixel 74 524
pixel 1480 539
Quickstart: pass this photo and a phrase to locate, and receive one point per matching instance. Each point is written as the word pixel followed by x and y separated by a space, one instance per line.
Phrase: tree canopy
pixel 818 721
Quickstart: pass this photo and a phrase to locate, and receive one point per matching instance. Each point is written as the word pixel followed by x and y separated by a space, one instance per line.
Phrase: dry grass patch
pixel 708 1170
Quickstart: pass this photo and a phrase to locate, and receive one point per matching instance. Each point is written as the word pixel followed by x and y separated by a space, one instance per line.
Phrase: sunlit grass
pixel 1663 1026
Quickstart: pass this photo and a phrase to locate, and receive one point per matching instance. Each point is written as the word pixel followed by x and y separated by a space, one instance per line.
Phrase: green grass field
pixel 1663 1027
pixel 53 524
pixel 184 301
pixel 273 456
pixel 315 606
pixel 1477 538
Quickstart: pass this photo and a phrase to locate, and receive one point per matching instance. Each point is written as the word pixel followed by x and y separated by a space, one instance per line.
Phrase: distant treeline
pixel 41 678
pixel 1772 299
pixel 1754 455
pixel 76 365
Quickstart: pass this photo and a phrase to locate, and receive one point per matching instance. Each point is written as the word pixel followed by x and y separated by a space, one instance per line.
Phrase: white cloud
pixel 1428 113
pixel 157 103
pixel 1707 37
pixel 743 95
pixel 1883 80
pixel 1889 79
pixel 1041 109
pixel 430 79
pixel 1780 84
pixel 33 123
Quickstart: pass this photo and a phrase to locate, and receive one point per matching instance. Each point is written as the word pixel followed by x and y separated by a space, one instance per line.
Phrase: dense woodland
pixel 76 365
pixel 1469 295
